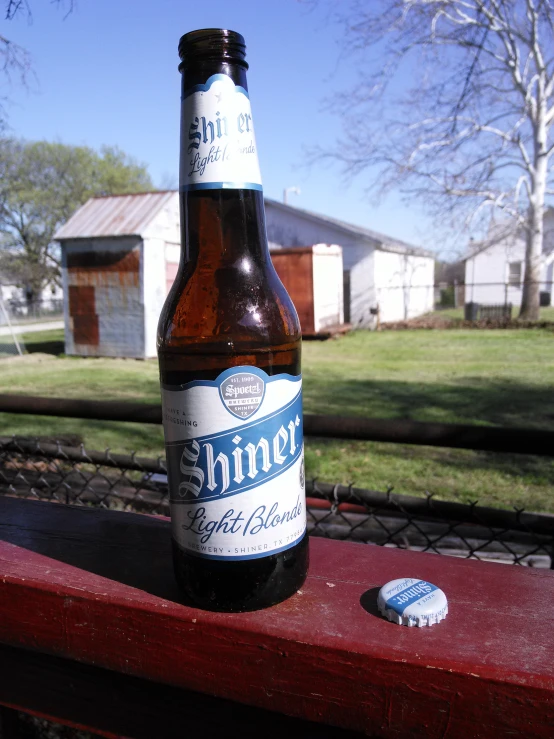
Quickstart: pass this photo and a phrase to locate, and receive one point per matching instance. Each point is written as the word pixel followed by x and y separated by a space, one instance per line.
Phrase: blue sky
pixel 107 74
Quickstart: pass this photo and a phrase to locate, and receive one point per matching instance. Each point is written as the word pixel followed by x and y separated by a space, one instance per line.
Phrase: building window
pixel 514 274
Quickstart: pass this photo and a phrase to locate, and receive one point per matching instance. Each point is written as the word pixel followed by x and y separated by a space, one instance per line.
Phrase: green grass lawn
pixel 502 377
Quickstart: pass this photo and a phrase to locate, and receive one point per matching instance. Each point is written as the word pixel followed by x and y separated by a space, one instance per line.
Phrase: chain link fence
pixel 26 311
pixel 59 472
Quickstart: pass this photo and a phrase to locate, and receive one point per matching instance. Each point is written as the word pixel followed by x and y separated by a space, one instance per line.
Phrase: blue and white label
pixel 235 461
pixel 218 145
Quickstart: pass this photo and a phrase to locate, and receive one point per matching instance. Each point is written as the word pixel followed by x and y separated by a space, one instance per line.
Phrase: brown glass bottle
pixel 226 309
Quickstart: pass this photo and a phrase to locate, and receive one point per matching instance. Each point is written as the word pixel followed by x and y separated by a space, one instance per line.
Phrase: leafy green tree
pixel 41 185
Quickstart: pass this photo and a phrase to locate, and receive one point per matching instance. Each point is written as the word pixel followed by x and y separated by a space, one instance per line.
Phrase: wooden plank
pixel 538 442
pixel 97 587
pixel 116 705
pixel 9 724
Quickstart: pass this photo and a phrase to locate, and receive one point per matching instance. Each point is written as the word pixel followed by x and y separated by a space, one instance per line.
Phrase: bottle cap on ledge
pixel 412 602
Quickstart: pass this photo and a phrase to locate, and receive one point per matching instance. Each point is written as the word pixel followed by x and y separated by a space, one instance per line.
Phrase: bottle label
pixel 235 463
pixel 218 146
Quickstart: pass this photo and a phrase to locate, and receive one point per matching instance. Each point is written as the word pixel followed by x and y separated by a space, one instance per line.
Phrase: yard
pixel 502 377
pixel 456 315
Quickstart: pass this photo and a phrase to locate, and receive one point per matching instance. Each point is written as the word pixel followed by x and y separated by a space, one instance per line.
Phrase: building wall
pixel 548 225
pixel 154 289
pixel 165 225
pixel 162 251
pixel 487 274
pixel 103 307
pixel 286 229
pixel 291 229
pixel 404 285
pixel 327 286
pixel 363 298
pixel 549 279
pixel 172 257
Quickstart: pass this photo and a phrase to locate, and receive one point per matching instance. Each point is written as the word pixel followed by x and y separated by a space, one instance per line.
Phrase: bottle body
pixel 229 348
pixel 252 578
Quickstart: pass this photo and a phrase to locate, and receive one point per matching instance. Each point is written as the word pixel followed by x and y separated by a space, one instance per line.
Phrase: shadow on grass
pixel 120 437
pixel 53 347
pixel 535 470
pixel 45 347
pixel 468 400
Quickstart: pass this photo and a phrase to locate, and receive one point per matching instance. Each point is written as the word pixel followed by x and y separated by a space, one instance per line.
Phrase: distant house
pixel 18 302
pixel 495 269
pixel 383 278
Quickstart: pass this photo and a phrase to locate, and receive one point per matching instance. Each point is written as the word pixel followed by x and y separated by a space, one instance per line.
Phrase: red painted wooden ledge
pixel 96 587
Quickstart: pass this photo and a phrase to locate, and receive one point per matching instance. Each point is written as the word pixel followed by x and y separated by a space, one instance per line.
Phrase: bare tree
pixel 471 132
pixel 15 61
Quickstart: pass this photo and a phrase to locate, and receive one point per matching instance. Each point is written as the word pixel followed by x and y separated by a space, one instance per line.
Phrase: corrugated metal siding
pixel 105 314
pixel 116 215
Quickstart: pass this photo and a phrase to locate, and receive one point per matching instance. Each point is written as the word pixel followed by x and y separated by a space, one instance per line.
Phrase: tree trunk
pixel 530 299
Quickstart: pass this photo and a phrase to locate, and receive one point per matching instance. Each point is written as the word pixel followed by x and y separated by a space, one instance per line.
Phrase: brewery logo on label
pixel 242 393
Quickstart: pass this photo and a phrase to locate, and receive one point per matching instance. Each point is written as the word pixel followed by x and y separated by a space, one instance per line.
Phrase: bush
pixel 447 299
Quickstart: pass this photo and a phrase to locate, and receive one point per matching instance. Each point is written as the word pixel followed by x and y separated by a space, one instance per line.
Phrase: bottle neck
pixel 199 73
pixel 222 213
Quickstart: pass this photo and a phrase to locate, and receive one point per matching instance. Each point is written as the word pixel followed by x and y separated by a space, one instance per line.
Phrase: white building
pixel 495 270
pixel 312 276
pixel 120 255
pixel 384 279
pixel 17 305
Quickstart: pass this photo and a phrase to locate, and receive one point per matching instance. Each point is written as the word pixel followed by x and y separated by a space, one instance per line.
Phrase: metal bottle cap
pixel 411 602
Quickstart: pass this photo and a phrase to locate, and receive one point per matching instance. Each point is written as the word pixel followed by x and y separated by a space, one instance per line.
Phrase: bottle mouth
pixel 212 44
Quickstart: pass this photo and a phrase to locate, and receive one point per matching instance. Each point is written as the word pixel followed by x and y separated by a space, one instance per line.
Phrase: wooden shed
pixel 119 258
pixel 312 276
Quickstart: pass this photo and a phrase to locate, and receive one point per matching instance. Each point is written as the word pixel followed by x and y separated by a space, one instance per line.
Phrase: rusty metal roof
pixel 115 215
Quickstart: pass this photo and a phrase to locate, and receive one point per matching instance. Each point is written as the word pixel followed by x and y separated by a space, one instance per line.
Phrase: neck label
pixel 218 145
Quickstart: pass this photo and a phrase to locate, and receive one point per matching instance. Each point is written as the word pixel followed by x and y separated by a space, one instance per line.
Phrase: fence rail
pixel 450 435
pixel 76 476
pixel 24 310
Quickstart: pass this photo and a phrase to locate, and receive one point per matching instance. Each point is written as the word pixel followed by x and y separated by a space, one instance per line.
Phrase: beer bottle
pixel 229 347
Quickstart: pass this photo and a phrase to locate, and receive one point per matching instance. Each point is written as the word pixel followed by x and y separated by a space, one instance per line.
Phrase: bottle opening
pixel 212 43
